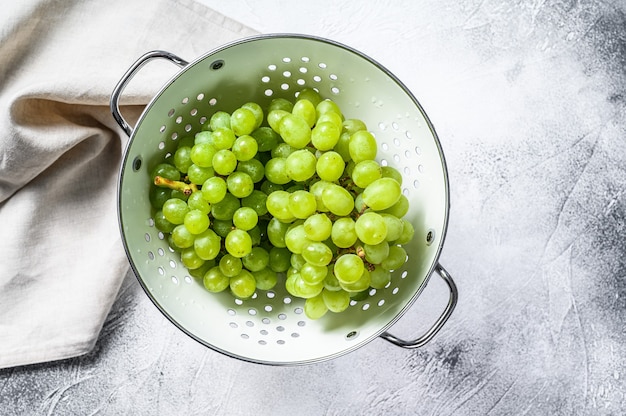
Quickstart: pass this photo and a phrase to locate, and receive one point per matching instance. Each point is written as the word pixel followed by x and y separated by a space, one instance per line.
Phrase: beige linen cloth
pixel 61 257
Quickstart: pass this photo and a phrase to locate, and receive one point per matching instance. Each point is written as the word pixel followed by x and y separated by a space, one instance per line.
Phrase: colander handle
pixel 117 91
pixel 422 340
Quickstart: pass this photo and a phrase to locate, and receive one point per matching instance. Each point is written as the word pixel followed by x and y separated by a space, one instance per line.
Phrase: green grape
pixel 332 118
pixel 202 154
pixel 330 281
pixel 407 233
pixel 225 209
pixel 245 218
pixel 330 166
pixel 376 253
pixel 257 111
pixel 161 223
pixel 313 274
pixel 325 135
pixel 196 221
pixel 394 226
pixel 336 300
pixel 224 162
pixel 158 196
pixel 243 121
pixel 360 285
pixel 197 201
pixel 282 150
pixel 306 290
pixel 174 210
pixel 278 205
pixel 381 194
pixel 327 106
pixel 266 138
pixel 302 204
pixel 359 205
pixel 222 138
pixel 317 189
pixel 238 243
pixel 317 253
pixel 305 109
pixel 214 190
pixel 182 237
pixel 245 147
pixel 182 158
pixel 294 130
pixel 165 170
pixel 258 259
pixel 222 227
pixel 366 172
pixel 215 281
pixel 179 195
pixel 371 228
pixel 190 258
pixel 230 265
pixel 332 246
pixel 254 168
pixel 343 146
pixel 295 239
pixel 343 233
pixel 318 227
pixel 276 231
pixel 315 308
pixel 349 268
pixel 391 172
pixel 199 175
pixel 310 94
pixel 400 208
pixel 274 117
pixel 280 104
pixel 276 171
pixel 290 282
pixel 199 272
pixel 396 258
pixel 203 136
pixel 337 199
pixel 170 242
pixel 353 125
pixel 220 119
pixel 240 184
pixel 256 235
pixel 300 165
pixel 296 261
pixel 349 168
pixel 265 279
pixel 279 259
pixel 207 244
pixel 257 201
pixel 362 146
pixel 379 277
pixel 243 285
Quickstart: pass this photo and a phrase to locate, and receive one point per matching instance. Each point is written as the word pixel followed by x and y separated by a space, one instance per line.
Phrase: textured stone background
pixel 529 100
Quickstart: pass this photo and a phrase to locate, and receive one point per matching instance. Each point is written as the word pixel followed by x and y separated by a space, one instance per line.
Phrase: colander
pixel 271 327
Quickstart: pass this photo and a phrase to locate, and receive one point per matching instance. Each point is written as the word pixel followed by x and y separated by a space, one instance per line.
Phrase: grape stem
pixel 186 188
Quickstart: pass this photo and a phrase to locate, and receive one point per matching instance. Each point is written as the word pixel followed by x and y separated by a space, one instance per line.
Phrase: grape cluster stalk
pixel 291 195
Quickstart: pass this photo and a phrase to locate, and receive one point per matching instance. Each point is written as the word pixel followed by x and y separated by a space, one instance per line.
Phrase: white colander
pixel 271 328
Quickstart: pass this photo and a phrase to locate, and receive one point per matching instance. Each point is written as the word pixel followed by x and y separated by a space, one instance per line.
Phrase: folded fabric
pixel 62 261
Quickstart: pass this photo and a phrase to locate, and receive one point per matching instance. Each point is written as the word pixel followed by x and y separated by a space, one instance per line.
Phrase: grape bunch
pixel 291 195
